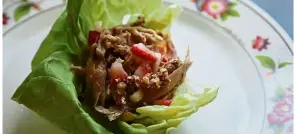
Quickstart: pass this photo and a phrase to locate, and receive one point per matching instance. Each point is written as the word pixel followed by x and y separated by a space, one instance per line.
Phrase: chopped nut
pixel 129 78
pixel 136 96
pixel 156 82
pixel 146 80
pixel 121 85
pixel 132 79
pixel 172 65
pixel 123 100
pixel 163 70
pixel 162 74
pixel 132 84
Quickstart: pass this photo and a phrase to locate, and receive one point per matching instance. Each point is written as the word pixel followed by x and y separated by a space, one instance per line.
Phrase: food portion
pixel 130 66
pixel 94 74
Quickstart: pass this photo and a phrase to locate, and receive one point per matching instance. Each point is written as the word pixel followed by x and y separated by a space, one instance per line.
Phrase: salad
pixel 111 67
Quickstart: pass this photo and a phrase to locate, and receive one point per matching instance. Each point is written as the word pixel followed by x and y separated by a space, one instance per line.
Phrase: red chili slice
pixel 93 37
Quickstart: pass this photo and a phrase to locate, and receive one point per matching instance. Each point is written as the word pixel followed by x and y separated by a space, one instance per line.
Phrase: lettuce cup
pixel 111 67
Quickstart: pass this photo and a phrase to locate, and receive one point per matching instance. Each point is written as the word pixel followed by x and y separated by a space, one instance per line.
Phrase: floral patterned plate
pixel 234 44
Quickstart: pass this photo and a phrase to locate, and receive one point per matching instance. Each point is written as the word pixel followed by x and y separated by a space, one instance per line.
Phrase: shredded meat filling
pixel 114 87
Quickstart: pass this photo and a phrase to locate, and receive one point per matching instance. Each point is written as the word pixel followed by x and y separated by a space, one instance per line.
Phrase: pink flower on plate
pixel 282 112
pixel 273 118
pixel 282 108
pixel 260 43
pixel 214 7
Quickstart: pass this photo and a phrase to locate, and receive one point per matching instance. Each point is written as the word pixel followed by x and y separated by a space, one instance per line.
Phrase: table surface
pixel 281 11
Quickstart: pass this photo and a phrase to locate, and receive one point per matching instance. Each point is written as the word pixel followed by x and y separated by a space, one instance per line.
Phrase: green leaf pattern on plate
pixel 266 62
pixel 281 114
pixel 232 12
pixel 224 16
pixel 22 10
pixel 283 64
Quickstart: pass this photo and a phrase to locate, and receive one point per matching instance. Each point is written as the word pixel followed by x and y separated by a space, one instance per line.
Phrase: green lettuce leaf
pixel 64 35
pixel 50 89
pixel 162 119
pixel 50 92
pixel 112 12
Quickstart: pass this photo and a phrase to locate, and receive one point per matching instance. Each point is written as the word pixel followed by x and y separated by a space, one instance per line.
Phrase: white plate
pixel 220 58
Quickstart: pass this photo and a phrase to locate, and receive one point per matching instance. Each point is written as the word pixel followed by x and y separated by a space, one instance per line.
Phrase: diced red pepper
pixel 162 102
pixel 143 52
pixel 93 37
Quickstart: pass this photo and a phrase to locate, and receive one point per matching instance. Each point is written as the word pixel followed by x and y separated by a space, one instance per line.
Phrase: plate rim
pixel 277 28
pixel 271 22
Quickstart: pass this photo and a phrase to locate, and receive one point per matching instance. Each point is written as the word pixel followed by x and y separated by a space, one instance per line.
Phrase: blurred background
pixel 281 11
